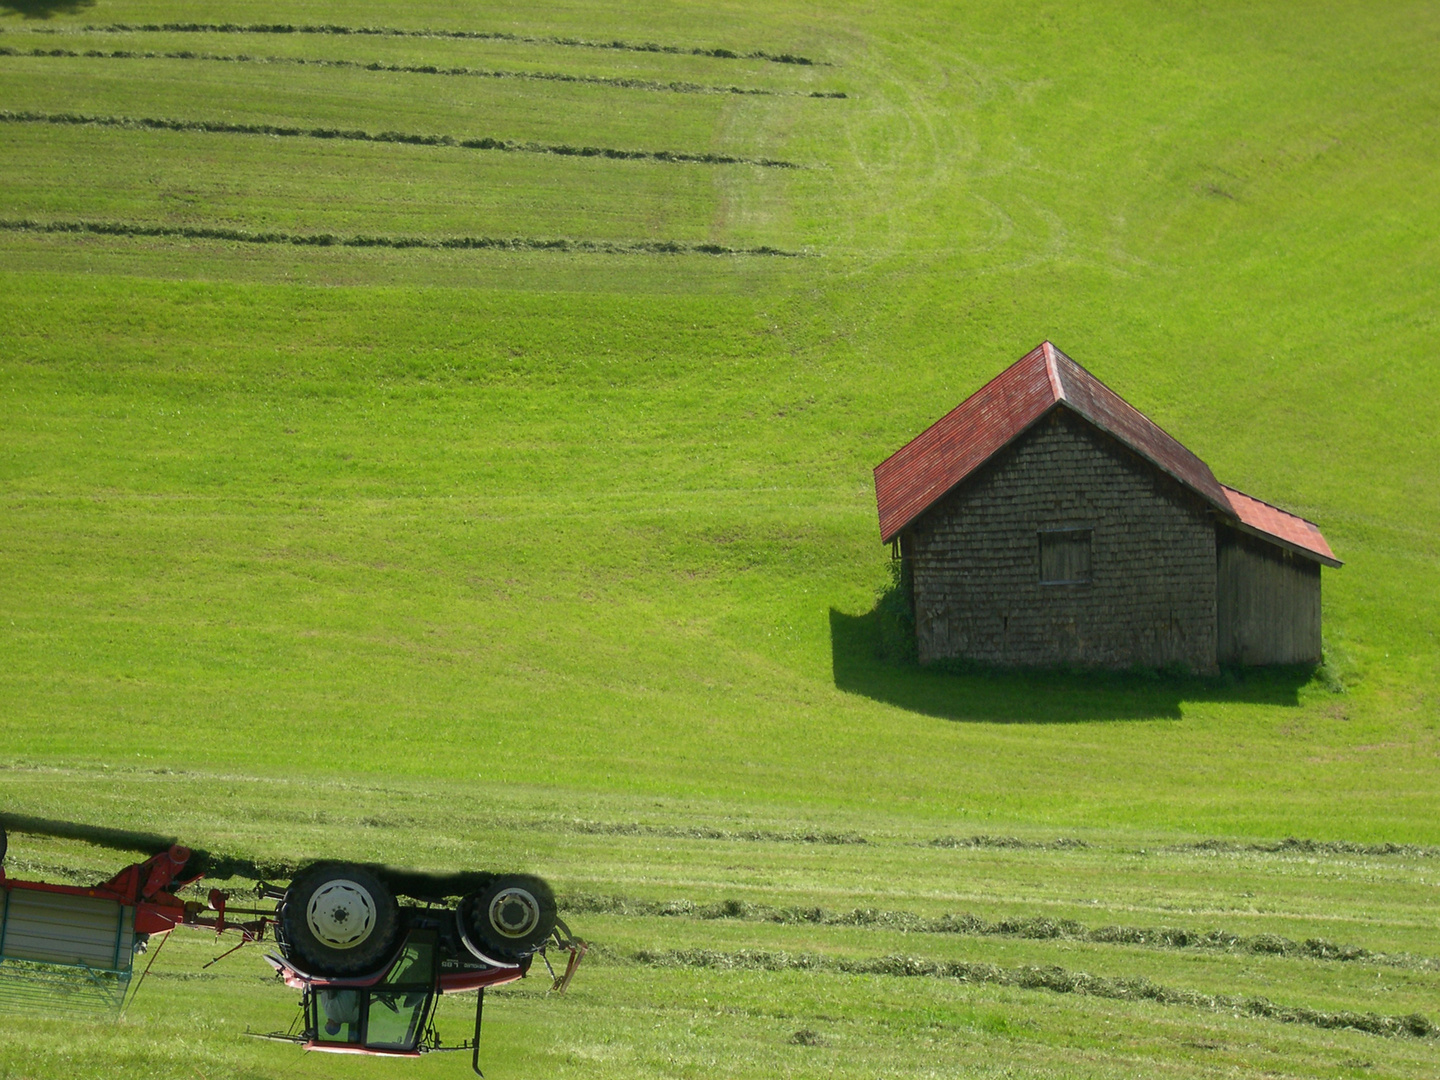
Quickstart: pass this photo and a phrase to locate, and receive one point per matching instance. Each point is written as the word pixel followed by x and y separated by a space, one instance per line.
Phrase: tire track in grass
pixel 1033 928
pixel 224 127
pixel 676 87
pixel 442 243
pixel 1055 979
pixel 714 52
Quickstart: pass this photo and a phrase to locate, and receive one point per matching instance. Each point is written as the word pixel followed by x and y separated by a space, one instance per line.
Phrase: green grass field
pixel 565 560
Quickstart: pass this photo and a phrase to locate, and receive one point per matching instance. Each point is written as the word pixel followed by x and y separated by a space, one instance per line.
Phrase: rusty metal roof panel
pixel 1108 411
pixel 1290 530
pixel 922 471
pixel 927 468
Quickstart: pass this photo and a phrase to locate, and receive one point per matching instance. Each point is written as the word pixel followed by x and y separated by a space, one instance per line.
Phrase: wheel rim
pixel 341 914
pixel 514 913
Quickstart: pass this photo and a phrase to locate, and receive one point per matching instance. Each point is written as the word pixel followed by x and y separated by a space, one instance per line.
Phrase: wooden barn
pixel 1045 521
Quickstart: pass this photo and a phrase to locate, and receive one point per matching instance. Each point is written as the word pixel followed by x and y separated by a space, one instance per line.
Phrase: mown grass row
pixel 714 52
pixel 1288 846
pixel 1063 843
pixel 1034 928
pixel 1028 977
pixel 224 127
pixel 445 243
pixel 1291 845
pixel 675 87
pixel 703 832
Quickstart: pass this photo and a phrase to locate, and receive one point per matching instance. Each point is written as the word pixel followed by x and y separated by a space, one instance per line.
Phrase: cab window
pixel 415 965
pixel 395 1018
pixel 339 1016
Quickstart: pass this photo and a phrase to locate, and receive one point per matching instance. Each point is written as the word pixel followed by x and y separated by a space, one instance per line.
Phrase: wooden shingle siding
pixel 1268 603
pixel 975 557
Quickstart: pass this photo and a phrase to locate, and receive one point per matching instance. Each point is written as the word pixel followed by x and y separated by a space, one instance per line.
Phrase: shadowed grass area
pixel 45 9
pixel 964 692
pixel 874 655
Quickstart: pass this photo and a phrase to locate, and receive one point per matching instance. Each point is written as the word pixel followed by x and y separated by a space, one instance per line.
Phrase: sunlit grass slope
pixel 478 543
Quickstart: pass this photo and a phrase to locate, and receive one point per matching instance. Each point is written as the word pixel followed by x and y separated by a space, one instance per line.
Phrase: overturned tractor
pixel 368 966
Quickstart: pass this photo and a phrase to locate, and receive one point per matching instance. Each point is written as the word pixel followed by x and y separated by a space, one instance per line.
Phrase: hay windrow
pixel 682 832
pixel 1055 979
pixel 715 52
pixel 1293 846
pixel 1063 843
pixel 1034 928
pixel 442 243
pixel 222 127
pixel 615 82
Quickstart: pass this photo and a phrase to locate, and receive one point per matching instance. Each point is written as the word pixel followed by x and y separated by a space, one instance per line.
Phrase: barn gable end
pixel 1147 595
pixel 1046 521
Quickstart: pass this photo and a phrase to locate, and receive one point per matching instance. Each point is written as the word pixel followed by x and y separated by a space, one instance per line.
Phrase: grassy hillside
pixel 393 469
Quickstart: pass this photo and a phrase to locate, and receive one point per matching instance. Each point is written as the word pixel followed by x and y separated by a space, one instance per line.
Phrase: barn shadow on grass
pixel 44 9
pixel 869 658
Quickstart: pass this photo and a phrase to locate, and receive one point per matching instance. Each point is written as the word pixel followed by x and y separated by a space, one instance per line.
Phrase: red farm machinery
pixel 368 966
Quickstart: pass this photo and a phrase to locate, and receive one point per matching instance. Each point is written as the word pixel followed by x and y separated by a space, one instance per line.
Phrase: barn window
pixel 1065 557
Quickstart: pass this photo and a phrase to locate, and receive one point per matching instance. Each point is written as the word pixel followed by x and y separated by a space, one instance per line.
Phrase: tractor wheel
pixel 509 919
pixel 339 918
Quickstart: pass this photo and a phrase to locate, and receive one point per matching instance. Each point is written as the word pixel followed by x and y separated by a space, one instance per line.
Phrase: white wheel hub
pixel 514 912
pixel 341 914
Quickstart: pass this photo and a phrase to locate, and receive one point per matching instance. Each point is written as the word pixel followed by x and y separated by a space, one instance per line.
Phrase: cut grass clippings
pixel 445 243
pixel 221 127
pixel 1291 845
pixel 1035 928
pixel 1053 978
pixel 714 52
pixel 1064 843
pixel 674 86
pixel 682 832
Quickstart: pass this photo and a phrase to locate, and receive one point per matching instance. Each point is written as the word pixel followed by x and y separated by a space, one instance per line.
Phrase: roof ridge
pixel 1056 386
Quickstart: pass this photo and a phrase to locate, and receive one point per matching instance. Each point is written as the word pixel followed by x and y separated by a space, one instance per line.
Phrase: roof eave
pixel 1280 542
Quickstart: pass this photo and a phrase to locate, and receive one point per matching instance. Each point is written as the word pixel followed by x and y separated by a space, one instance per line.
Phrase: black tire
pixel 4 843
pixel 508 919
pixel 339 919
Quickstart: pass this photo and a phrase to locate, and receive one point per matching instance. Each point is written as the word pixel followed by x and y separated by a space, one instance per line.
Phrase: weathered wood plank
pixel 1268 603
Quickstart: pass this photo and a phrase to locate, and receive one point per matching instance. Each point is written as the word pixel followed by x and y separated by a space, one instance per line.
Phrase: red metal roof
pixel 922 471
pixel 1275 524
pixel 928 467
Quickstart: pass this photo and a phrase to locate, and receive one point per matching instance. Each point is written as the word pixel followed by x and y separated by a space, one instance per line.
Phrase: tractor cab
pixel 389 1016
